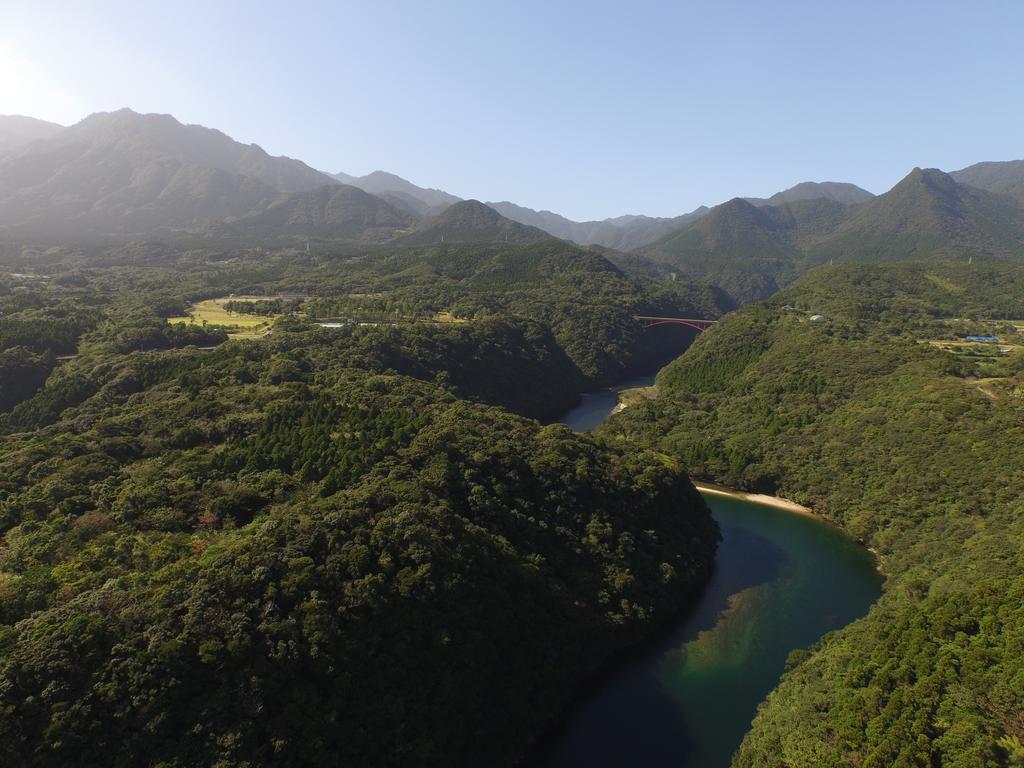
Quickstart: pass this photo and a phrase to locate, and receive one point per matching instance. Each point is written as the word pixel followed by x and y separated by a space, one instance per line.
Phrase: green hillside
pixel 912 450
pixel 1006 178
pixel 927 214
pixel 749 251
pixel 470 221
pixel 752 251
pixel 336 211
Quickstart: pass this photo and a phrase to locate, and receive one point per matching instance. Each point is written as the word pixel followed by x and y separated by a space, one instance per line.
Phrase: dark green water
pixel 781 581
pixel 595 407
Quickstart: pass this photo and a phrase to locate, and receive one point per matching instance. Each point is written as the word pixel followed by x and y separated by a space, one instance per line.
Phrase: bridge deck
pixel 699 324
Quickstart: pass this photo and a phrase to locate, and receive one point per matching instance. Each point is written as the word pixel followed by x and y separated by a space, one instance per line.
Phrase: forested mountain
pixel 927 214
pixel 622 233
pixel 16 131
pixel 749 251
pixel 335 211
pixel 470 221
pixel 327 565
pixel 913 450
pixel 402 194
pixel 626 233
pixel 752 251
pixel 1006 178
pixel 123 172
pixel 587 302
pixel 342 534
pixel 847 194
pixel 335 554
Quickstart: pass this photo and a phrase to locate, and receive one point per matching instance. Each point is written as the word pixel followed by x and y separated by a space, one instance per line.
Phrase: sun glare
pixel 26 88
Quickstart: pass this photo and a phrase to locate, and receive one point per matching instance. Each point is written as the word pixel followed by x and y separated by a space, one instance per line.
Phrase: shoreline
pixel 777 502
pixel 756 498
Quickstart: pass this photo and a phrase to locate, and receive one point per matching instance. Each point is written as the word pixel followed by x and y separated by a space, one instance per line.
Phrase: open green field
pixel 238 324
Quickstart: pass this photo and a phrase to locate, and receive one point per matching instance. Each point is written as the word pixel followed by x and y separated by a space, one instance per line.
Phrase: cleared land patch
pixel 237 324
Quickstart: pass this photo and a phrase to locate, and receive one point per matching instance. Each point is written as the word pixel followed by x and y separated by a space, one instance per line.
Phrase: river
pixel 781 581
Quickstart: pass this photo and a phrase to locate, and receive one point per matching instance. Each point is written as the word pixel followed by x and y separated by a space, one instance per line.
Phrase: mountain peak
pixel 470 221
pixel 419 201
pixel 930 181
pixel 125 172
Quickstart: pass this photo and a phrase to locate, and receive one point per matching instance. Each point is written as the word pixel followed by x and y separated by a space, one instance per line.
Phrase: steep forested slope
pixel 905 447
pixel 588 303
pixel 269 554
pixel 754 251
pixel 928 214
pixel 1006 178
pixel 470 221
pixel 336 211
pixel 749 251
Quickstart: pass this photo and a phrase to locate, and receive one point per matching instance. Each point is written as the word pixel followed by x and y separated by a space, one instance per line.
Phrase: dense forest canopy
pixel 911 448
pixel 273 494
pixel 322 545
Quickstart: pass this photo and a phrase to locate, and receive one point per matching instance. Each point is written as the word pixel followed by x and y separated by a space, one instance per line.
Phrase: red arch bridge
pixel 650 322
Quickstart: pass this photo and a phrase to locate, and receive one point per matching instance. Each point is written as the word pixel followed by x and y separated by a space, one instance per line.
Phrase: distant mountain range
pixel 752 251
pixel 623 233
pixel 400 193
pixel 127 174
pixel 122 172
pixel 847 194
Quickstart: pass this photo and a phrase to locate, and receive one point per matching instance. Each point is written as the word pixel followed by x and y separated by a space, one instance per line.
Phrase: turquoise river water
pixel 781 581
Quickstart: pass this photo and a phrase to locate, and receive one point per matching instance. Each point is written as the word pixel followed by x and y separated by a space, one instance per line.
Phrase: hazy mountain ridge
pixel 422 201
pixel 17 131
pixel 1005 177
pixel 331 211
pixel 623 233
pixel 471 221
pixel 627 233
pixel 124 172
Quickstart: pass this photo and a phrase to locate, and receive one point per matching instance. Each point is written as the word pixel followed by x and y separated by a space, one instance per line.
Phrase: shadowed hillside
pixel 124 172
pixel 337 212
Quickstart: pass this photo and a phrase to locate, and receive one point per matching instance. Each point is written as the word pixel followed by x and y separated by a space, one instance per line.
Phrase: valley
pixel 297 469
pixel 781 580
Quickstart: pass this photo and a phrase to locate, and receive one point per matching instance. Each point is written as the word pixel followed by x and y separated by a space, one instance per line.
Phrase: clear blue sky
pixel 590 109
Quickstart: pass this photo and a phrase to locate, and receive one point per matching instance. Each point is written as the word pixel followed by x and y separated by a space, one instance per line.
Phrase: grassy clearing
pixel 237 324
pixel 448 317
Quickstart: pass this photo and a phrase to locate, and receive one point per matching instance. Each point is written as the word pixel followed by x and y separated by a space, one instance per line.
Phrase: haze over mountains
pixel 17 130
pixel 132 175
pixel 128 173
pixel 401 193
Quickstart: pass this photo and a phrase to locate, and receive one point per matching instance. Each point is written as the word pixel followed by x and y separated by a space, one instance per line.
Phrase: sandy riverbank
pixel 632 395
pixel 755 498
pixel 780 503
